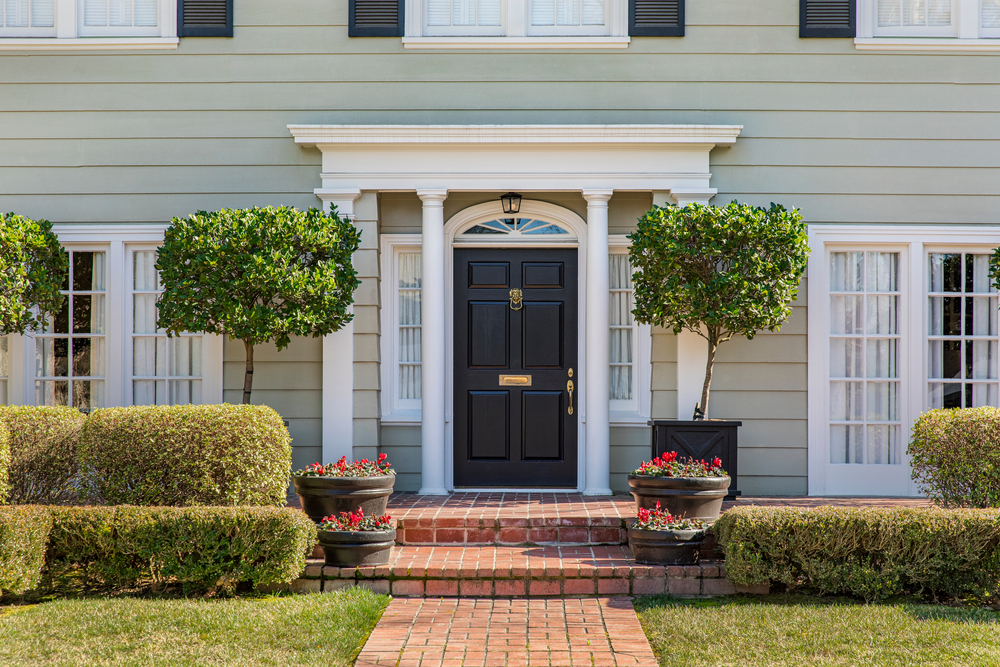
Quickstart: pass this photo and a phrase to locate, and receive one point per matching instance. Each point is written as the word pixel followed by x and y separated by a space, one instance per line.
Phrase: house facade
pixel 492 349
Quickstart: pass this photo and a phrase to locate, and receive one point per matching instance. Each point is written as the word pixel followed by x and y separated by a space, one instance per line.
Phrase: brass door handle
pixel 569 388
pixel 516 297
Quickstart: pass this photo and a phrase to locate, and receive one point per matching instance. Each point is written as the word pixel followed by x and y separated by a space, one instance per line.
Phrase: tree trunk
pixel 712 347
pixel 248 378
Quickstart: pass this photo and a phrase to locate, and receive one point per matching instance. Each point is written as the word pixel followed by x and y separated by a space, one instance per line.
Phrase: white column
pixel 338 358
pixel 432 334
pixel 598 427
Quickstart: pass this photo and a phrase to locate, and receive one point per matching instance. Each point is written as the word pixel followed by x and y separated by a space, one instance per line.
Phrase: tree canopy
pixel 719 271
pixel 34 268
pixel 257 275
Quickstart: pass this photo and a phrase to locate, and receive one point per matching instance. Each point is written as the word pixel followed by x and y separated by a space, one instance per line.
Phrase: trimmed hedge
pixel 4 462
pixel 955 456
pixel 202 548
pixel 43 441
pixel 23 533
pixel 873 553
pixel 186 455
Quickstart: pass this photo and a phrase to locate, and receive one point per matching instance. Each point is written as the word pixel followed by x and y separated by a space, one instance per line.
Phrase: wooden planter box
pixel 703 439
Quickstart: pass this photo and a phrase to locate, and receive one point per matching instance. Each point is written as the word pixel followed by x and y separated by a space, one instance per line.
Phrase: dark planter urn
pixel 701 439
pixel 688 497
pixel 666 547
pixel 325 496
pixel 348 548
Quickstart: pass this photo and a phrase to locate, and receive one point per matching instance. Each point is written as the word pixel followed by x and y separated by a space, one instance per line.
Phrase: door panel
pixel 515 432
pixel 541 424
pixel 489 419
pixel 543 335
pixel 489 326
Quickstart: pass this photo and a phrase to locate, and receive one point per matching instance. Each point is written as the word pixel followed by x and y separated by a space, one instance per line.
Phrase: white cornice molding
pixel 330 135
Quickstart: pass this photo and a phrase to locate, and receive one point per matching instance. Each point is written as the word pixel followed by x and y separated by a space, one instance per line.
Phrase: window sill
pixel 88 43
pixel 583 42
pixel 949 44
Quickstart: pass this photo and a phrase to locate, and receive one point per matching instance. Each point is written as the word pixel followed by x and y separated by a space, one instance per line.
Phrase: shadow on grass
pixel 918 609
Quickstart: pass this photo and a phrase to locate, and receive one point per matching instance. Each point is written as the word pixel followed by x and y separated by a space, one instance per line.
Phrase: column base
pixel 598 492
pixel 440 491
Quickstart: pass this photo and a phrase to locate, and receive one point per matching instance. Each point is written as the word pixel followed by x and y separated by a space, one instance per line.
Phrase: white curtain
pixel 409 325
pixel 567 12
pixel 622 326
pixel 914 13
pixel 28 13
pixel 120 13
pixel 991 13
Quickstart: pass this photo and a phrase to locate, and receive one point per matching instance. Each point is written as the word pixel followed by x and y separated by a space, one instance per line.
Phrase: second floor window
pixel 87 18
pixel 930 18
pixel 485 18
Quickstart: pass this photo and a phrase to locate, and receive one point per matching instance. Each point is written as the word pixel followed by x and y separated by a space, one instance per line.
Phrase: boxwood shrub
pixel 43 440
pixel 23 534
pixel 186 455
pixel 200 548
pixel 4 462
pixel 873 553
pixel 955 456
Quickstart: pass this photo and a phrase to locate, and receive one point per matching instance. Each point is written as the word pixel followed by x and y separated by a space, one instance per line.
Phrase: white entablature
pixel 526 158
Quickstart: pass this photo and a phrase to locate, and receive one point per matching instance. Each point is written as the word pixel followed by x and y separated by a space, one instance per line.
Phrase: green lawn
pixel 324 629
pixel 799 630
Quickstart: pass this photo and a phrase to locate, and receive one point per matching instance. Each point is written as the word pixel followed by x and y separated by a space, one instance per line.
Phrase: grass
pixel 325 629
pixel 794 630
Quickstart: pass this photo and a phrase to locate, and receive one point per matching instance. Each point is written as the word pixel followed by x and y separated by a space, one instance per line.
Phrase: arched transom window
pixel 516 227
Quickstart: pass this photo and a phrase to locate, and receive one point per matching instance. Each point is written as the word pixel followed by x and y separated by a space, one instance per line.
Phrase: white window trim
pixel 517 31
pixel 394 409
pixel 913 243
pixel 69 33
pixel 117 241
pixel 637 410
pixel 965 34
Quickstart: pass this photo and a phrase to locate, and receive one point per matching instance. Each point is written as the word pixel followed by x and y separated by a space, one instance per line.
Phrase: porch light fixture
pixel 511 202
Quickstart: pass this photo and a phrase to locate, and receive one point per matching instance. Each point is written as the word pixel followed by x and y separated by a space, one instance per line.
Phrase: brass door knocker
pixel 515 299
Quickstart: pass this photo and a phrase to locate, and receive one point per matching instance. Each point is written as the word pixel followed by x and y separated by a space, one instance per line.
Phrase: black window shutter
pixel 205 18
pixel 656 18
pixel 826 18
pixel 376 18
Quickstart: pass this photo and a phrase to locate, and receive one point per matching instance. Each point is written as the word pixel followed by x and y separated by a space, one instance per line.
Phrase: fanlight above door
pixel 512 228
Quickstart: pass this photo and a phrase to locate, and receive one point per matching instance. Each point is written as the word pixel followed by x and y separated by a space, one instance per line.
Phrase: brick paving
pixel 508 633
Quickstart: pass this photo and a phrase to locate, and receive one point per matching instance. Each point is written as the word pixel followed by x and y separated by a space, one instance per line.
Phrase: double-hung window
pixel 911 20
pixel 28 18
pixel 78 23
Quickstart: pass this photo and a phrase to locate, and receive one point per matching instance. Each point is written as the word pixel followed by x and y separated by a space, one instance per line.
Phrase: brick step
pixel 520 572
pixel 569 530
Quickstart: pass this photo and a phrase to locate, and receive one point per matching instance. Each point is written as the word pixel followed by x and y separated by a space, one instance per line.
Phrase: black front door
pixel 515 367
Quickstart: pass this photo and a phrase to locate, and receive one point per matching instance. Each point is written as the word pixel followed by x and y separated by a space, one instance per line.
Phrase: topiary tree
pixel 33 268
pixel 257 275
pixel 719 271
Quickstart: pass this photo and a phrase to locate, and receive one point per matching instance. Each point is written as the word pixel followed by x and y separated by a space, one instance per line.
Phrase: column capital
pixel 597 196
pixel 342 198
pixel 429 197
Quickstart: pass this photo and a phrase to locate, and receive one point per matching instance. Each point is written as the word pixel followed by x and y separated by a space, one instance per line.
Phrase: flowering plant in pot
pixel 335 488
pixel 688 488
pixel 659 538
pixel 353 539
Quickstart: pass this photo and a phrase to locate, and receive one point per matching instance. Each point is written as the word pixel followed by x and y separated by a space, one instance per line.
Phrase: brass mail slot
pixel 518 380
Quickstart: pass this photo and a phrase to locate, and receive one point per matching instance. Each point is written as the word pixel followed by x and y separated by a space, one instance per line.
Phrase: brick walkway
pixel 510 633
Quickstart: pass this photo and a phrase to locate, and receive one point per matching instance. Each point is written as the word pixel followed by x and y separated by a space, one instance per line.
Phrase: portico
pixel 669 161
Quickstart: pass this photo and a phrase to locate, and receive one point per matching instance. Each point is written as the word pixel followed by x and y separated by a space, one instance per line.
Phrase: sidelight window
pixel 408 314
pixel 622 329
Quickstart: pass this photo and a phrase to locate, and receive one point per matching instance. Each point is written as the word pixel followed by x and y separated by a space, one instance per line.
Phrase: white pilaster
pixel 338 359
pixel 432 337
pixel 598 466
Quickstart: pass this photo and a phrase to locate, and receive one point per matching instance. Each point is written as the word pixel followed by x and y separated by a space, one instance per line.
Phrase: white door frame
pixel 491 211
